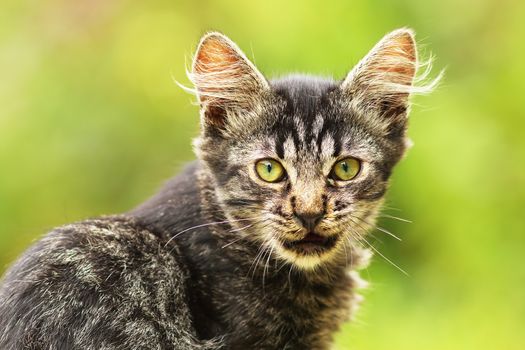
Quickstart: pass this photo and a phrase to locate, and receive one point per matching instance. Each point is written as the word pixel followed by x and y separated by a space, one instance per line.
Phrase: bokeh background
pixel 92 123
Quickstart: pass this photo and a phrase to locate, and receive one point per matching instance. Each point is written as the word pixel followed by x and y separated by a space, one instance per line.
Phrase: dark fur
pixel 86 284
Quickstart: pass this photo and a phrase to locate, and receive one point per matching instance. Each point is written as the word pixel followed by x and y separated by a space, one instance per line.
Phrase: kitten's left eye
pixel 270 170
pixel 346 169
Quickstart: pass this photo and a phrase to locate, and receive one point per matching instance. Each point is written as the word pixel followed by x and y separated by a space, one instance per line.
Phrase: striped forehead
pixel 306 125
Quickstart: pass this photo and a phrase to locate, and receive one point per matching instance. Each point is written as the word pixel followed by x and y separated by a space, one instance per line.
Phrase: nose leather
pixel 309 220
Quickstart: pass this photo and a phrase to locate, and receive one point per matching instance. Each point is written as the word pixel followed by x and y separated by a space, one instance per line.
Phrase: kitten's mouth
pixel 312 243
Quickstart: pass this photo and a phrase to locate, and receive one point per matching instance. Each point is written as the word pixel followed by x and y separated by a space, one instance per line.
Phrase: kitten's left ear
pixel 383 80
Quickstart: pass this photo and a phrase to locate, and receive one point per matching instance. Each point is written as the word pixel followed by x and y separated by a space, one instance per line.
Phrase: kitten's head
pixel 301 164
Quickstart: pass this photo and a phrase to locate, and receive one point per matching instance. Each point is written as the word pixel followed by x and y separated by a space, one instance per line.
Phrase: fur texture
pixel 207 263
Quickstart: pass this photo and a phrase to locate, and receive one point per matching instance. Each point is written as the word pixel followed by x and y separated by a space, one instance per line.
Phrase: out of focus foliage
pixel 92 123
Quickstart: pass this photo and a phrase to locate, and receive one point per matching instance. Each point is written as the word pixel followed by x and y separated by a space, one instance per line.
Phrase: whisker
pixel 240 229
pixel 386 206
pixel 361 239
pixel 395 217
pixel 235 241
pixel 387 232
pixel 203 225
pixel 258 256
pixel 387 259
pixel 379 228
pixel 245 227
pixel 266 265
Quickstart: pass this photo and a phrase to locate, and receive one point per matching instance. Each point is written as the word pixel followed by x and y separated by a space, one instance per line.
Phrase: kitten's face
pixel 301 164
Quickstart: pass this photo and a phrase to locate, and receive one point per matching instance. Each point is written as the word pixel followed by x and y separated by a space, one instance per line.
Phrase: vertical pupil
pixel 344 165
pixel 269 167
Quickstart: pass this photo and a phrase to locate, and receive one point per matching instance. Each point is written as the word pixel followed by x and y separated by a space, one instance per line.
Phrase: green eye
pixel 269 170
pixel 346 169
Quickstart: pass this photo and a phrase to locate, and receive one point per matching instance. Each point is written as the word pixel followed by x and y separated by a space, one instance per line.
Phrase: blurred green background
pixel 91 122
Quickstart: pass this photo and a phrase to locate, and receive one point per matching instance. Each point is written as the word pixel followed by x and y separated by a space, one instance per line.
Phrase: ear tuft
pixel 388 70
pixel 224 78
pixel 386 76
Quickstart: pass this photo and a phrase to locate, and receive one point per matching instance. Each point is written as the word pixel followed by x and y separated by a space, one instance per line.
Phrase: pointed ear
pixel 383 80
pixel 224 79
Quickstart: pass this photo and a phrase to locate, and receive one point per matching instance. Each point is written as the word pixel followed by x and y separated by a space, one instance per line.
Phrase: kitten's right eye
pixel 270 170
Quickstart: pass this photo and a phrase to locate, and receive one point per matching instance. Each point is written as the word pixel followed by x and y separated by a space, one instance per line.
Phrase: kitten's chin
pixel 308 252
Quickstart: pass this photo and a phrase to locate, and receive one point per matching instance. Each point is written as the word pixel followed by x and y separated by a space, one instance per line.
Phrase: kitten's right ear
pixel 225 80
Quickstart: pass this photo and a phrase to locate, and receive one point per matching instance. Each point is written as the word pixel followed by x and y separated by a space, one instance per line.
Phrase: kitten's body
pixel 220 257
pixel 129 282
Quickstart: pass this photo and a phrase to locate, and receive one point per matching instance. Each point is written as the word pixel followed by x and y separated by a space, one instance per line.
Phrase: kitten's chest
pixel 286 316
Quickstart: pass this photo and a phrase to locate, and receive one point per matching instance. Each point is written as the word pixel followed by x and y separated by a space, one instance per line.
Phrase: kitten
pixel 253 246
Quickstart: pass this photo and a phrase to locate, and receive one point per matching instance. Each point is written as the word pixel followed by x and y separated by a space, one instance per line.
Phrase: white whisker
pixel 361 239
pixel 203 225
pixel 395 217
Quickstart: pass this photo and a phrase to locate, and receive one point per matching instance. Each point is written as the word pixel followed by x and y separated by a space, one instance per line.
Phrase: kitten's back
pixel 103 283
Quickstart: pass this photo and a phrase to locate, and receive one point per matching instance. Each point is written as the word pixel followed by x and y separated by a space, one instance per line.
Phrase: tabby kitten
pixel 255 245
